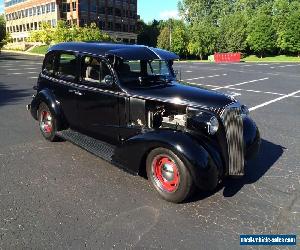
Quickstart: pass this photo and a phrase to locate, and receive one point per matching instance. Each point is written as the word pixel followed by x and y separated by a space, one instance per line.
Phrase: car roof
pixel 124 51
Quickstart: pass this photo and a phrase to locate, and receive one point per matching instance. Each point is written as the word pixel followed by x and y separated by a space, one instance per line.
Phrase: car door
pixel 64 81
pixel 98 100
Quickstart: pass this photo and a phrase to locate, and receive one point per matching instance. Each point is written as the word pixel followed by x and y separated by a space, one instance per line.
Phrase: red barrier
pixel 227 57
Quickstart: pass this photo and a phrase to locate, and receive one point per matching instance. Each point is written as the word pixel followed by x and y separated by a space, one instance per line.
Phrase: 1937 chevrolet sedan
pixel 123 104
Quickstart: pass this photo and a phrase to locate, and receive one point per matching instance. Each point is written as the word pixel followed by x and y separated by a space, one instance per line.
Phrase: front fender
pixel 252 138
pixel 47 97
pixel 133 153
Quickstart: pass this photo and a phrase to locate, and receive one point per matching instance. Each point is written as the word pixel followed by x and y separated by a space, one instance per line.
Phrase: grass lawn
pixel 281 58
pixel 40 50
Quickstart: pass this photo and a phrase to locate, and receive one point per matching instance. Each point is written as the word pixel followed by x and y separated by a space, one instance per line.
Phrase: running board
pixel 99 148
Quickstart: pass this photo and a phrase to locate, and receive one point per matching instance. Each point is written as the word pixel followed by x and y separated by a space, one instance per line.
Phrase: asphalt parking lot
pixel 58 196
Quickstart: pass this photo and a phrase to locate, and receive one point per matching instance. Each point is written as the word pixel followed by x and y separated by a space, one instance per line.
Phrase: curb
pixel 21 52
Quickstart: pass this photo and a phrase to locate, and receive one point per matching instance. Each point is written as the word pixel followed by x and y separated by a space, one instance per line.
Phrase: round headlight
pixel 244 110
pixel 213 125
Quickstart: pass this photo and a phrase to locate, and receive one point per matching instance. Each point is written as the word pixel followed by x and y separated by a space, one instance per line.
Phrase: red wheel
pixel 47 122
pixel 166 173
pixel 169 175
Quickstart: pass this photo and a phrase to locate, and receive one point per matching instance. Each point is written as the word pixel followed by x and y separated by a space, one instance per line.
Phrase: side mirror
pixel 108 80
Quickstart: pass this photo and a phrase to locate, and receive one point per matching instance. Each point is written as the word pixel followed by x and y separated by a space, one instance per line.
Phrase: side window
pixel 96 71
pixel 157 68
pixel 67 66
pixel 48 67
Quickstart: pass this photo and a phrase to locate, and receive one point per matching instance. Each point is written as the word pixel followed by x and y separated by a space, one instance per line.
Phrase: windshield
pixel 144 73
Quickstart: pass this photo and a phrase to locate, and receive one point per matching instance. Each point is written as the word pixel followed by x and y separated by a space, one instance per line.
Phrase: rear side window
pixel 49 64
pixel 67 67
pixel 94 70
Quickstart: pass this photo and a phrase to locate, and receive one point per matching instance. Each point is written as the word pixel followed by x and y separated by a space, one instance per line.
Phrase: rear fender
pixel 48 97
pixel 133 153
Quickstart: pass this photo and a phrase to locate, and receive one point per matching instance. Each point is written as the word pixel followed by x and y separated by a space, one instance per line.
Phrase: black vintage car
pixel 124 104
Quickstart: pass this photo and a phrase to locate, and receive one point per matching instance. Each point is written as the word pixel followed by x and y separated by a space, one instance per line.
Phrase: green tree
pixel 148 33
pixel 289 33
pixel 180 39
pixel 202 39
pixel 2 31
pixel 261 33
pixel 64 33
pixel 198 10
pixel 163 40
pixel 232 33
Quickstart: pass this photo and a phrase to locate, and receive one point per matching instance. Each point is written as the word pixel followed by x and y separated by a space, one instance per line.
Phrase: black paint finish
pixel 117 114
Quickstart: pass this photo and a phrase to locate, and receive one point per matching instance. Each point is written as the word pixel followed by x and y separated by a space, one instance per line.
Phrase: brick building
pixel 118 18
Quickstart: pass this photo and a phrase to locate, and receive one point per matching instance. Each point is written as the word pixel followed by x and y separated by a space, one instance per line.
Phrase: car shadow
pixel 268 155
pixel 12 96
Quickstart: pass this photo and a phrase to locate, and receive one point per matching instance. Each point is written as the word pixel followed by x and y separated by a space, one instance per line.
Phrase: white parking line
pixel 201 84
pixel 233 94
pixel 257 91
pixel 32 72
pixel 33 77
pixel 30 68
pixel 188 71
pixel 196 78
pixel 17 73
pixel 274 100
pixel 12 69
pixel 262 64
pixel 242 83
pixel 202 77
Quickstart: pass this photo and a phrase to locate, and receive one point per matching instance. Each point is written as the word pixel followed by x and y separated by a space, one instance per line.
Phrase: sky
pixel 157 9
pixel 1 6
pixel 148 9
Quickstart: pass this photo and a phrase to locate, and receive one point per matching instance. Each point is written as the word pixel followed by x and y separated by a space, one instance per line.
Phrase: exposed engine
pixel 167 116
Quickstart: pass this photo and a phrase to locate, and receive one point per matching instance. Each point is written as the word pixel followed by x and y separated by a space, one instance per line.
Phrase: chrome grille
pixel 233 124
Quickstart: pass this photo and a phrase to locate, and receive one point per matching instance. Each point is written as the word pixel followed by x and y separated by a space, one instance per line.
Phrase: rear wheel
pixel 169 175
pixel 47 122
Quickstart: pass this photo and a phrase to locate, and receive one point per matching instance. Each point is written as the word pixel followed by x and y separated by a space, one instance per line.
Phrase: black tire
pixel 48 125
pixel 179 186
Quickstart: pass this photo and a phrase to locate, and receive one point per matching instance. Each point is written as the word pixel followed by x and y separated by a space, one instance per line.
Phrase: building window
pixel 118 27
pixel 110 26
pixel 43 9
pixel 53 22
pixel 93 6
pixel 118 12
pixel 34 11
pixel 38 10
pixel 74 6
pixel 52 7
pixel 110 11
pixel 125 27
pixel 132 28
pixel 48 8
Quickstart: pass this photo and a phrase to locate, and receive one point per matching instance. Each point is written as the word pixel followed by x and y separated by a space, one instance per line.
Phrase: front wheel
pixel 169 175
pixel 47 122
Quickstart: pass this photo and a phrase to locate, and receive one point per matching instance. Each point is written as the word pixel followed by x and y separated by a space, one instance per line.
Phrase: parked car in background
pixel 124 104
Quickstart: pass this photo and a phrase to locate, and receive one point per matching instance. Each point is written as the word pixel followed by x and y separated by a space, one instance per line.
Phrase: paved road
pixel 57 196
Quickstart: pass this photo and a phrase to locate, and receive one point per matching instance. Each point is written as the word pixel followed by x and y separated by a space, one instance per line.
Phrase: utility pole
pixel 170 33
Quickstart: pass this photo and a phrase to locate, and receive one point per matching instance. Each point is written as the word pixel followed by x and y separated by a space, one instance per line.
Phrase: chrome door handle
pixel 78 93
pixel 71 90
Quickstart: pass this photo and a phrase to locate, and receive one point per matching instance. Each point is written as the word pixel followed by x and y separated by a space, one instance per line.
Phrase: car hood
pixel 185 95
